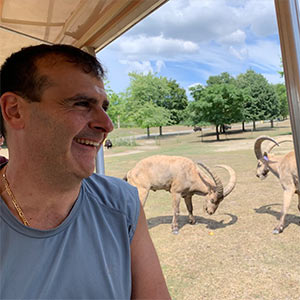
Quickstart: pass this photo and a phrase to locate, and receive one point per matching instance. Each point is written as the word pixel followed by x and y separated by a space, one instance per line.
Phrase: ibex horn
pixel 257 145
pixel 232 180
pixel 270 148
pixel 216 179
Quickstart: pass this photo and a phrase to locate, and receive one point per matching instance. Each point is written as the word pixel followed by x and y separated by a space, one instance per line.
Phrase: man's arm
pixel 147 278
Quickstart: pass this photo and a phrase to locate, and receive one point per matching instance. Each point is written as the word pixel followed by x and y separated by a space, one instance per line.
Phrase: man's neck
pixel 45 200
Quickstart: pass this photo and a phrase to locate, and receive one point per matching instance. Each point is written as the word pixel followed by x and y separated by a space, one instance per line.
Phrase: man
pixel 65 233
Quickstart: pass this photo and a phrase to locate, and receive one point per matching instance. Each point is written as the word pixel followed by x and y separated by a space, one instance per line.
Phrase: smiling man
pixel 66 233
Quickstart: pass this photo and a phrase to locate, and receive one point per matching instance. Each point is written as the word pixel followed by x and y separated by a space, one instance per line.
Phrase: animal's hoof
pixel 192 222
pixel 277 230
pixel 175 231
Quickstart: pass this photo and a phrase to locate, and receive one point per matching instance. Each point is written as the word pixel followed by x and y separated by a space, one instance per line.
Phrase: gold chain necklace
pixel 13 199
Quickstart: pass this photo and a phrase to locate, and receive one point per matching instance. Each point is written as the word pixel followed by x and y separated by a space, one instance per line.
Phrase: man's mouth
pixel 87 142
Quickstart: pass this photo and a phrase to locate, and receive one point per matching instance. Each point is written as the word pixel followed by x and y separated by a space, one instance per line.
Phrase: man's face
pixel 67 127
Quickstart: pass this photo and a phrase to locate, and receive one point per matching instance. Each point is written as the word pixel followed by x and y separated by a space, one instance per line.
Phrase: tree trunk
pixel 222 128
pixel 217 132
pixel 272 123
pixel 243 126
pixel 160 130
pixel 148 132
pixel 254 127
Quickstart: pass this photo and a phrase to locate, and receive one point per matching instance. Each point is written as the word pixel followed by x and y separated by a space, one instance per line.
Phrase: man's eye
pixel 82 103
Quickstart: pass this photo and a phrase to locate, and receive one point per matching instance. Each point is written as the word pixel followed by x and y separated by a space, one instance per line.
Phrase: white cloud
pixel 181 29
pixel 194 20
pixel 137 46
pixel 260 16
pixel 236 37
pixel 265 54
pixel 195 84
pixel 240 54
pixel 143 67
pixel 203 20
pixel 190 40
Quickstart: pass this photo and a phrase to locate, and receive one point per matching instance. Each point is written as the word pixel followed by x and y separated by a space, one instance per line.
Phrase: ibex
pixel 284 168
pixel 182 178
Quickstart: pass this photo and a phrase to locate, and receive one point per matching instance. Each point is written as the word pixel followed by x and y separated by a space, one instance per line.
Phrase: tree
pixel 159 91
pixel 260 99
pixel 148 88
pixel 217 104
pixel 116 110
pixel 176 102
pixel 272 104
pixel 223 78
pixel 192 111
pixel 281 93
pixel 150 115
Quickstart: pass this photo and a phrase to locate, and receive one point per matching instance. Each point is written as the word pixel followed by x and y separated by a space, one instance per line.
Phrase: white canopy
pixel 81 23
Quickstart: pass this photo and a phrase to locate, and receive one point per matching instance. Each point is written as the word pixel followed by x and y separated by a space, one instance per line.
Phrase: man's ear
pixel 11 110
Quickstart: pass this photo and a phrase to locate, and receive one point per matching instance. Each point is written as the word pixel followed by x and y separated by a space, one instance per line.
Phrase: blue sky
pixel 190 40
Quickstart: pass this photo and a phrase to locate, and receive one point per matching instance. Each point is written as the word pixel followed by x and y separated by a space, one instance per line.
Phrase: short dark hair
pixel 19 73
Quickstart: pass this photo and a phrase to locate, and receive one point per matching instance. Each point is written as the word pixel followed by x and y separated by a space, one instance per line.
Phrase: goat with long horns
pixel 284 168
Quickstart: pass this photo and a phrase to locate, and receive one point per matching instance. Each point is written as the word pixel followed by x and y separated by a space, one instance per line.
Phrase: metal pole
pixel 100 162
pixel 100 155
pixel 288 20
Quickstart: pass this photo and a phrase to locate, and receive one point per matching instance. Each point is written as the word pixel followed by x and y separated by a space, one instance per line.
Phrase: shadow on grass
pixel 221 140
pixel 164 136
pixel 267 209
pixel 183 220
pixel 229 135
pixel 223 136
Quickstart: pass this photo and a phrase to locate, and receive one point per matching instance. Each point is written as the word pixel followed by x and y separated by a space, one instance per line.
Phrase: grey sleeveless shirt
pixel 86 257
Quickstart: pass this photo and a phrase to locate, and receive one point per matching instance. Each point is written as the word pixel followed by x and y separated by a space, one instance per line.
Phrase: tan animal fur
pixel 182 178
pixel 284 167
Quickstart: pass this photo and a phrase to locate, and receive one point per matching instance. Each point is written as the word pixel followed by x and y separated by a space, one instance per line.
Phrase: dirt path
pixel 122 153
pixel 134 151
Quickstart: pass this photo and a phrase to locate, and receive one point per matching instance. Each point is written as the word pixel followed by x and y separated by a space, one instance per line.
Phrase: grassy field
pixel 233 253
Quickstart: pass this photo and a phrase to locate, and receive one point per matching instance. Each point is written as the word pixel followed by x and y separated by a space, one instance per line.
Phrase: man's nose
pixel 102 121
